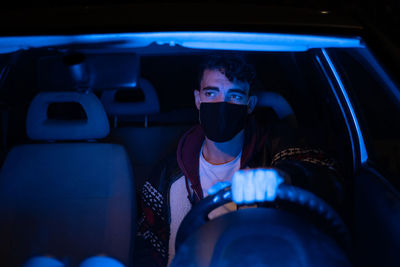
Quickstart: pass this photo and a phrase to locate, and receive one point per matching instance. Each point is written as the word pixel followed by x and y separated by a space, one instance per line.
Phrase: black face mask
pixel 221 121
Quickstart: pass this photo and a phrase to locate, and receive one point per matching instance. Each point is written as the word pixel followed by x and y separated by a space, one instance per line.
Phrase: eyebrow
pixel 240 91
pixel 233 90
pixel 211 88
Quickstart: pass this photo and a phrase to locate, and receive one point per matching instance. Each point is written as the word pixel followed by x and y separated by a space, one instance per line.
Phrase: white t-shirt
pixel 210 174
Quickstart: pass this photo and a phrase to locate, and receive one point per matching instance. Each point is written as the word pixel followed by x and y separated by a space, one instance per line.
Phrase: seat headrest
pixel 276 102
pixel 42 125
pixel 145 106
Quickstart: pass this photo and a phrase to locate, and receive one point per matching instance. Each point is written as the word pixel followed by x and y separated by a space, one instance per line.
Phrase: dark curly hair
pixel 233 66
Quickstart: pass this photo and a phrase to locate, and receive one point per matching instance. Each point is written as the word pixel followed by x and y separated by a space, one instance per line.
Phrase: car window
pixel 378 108
pixel 147 138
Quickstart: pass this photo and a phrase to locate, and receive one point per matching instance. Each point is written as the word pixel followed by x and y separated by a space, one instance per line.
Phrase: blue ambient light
pixel 340 106
pixel 42 261
pixel 363 149
pixel 194 40
pixel 101 261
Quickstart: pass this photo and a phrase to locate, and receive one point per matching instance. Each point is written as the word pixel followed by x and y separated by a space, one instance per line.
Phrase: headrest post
pixel 146 118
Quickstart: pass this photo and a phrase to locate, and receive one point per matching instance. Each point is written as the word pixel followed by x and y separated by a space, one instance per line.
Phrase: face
pixel 215 87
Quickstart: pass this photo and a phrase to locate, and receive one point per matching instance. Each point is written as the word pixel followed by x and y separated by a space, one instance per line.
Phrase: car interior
pixel 83 125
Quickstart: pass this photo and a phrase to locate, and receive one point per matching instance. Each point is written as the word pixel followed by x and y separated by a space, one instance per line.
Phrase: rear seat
pixel 70 200
pixel 148 135
pixel 273 107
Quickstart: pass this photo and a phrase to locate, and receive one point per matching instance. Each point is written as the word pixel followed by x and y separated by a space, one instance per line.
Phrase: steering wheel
pixel 198 215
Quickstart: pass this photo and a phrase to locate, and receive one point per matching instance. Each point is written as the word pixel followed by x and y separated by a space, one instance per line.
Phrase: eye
pixel 209 93
pixel 237 98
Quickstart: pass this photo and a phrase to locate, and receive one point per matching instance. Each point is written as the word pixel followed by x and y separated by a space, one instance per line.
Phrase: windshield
pixel 86 119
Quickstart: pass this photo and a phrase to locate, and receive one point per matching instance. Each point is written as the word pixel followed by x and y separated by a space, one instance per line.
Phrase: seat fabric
pixel 67 200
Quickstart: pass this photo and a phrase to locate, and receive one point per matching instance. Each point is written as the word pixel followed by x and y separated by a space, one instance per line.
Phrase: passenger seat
pixel 66 196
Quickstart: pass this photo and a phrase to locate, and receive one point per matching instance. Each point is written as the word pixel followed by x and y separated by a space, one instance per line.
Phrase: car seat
pixel 273 107
pixel 66 195
pixel 148 135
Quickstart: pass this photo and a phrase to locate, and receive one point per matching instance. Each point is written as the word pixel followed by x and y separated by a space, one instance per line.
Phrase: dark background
pixel 384 14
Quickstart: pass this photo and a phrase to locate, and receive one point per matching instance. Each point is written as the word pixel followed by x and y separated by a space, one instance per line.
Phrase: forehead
pixel 216 78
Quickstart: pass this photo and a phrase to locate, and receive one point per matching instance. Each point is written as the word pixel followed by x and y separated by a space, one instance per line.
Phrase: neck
pixel 218 153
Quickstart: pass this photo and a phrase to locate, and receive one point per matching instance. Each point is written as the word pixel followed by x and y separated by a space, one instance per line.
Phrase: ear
pixel 197 98
pixel 252 103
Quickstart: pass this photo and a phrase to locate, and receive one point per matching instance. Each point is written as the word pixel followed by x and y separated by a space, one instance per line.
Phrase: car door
pixel 371 103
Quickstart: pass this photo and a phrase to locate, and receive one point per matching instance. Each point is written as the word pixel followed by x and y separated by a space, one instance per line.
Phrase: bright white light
pixel 255 185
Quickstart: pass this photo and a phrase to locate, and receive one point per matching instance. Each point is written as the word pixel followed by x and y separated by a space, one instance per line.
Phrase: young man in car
pixel 226 140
